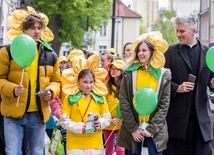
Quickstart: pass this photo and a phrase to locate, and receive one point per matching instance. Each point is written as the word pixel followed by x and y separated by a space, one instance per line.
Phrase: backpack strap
pixel 9 53
pixel 8 50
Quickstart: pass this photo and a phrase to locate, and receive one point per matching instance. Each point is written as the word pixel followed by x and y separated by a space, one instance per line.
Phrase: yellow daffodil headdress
pixel 157 60
pixel 70 79
pixel 17 19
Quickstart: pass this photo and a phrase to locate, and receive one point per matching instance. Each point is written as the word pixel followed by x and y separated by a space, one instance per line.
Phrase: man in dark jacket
pixel 189 116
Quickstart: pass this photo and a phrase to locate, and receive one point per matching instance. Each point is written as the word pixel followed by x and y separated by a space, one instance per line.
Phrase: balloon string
pixel 17 103
pixel 110 135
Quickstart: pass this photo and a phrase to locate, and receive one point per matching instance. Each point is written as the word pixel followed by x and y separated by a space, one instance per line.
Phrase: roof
pixel 123 11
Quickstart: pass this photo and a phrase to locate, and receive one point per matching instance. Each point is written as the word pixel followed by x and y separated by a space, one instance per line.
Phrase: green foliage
pixel 75 17
pixel 166 26
pixel 142 27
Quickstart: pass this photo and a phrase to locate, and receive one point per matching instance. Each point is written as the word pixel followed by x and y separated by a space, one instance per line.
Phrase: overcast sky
pixel 162 3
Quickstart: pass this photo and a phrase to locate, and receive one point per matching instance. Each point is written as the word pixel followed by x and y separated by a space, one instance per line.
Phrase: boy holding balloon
pixel 144 97
pixel 34 63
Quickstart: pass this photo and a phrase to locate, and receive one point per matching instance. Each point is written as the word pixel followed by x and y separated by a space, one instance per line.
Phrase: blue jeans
pixel 151 148
pixel 29 126
pixel 139 148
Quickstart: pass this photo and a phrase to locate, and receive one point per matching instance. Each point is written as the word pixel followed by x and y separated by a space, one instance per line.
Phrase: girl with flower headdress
pixel 85 111
pixel 145 69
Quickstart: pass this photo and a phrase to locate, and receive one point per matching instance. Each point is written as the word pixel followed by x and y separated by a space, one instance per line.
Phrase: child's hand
pixel 83 128
pixel 116 121
pixel 97 124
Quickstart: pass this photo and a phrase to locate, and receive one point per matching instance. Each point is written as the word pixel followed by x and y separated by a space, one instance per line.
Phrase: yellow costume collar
pixel 17 19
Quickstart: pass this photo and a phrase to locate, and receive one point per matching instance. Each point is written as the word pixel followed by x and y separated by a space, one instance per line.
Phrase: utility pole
pixel 113 23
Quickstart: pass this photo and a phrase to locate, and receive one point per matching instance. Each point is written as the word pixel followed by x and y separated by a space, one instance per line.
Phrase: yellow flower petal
pixel 100 88
pixel 135 43
pixel 100 73
pixel 161 45
pixel 45 18
pixel 30 10
pixel 157 60
pixel 93 61
pixel 17 19
pixel 47 35
pixel 78 64
pixel 70 82
pixel 12 33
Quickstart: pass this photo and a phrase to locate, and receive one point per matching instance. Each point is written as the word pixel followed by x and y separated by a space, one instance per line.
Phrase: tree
pixel 166 27
pixel 70 19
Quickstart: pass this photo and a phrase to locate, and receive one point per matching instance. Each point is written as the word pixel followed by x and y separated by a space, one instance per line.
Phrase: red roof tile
pixel 123 11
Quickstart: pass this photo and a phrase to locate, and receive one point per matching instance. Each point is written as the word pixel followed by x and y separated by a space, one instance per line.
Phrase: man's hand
pixel 185 87
pixel 212 83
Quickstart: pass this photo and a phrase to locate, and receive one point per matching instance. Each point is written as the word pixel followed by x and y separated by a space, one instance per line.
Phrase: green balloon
pixel 23 50
pixel 118 111
pixel 210 59
pixel 145 101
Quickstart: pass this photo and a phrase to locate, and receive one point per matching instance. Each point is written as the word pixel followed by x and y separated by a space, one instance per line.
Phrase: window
pixel 65 53
pixel 103 31
pixel 102 48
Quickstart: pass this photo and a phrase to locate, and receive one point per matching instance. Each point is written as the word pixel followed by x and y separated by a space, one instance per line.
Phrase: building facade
pixel 206 23
pixel 127 29
pixel 6 9
pixel 148 9
pixel 185 7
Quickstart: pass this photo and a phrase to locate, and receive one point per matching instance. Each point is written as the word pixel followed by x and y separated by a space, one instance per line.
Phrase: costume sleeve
pixel 159 117
pixel 55 105
pixel 105 117
pixel 65 120
pixel 68 124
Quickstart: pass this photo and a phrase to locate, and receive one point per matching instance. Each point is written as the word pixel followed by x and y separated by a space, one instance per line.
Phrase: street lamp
pixel 113 23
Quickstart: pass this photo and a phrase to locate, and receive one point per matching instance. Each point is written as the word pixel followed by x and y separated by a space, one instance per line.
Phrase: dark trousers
pixel 139 147
pixel 193 146
pixel 2 141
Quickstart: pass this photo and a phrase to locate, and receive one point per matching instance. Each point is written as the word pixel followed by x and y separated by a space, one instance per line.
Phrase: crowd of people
pixel 88 103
